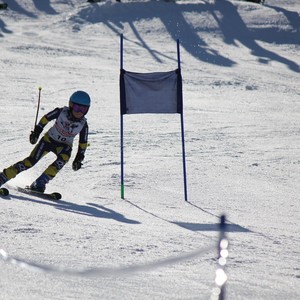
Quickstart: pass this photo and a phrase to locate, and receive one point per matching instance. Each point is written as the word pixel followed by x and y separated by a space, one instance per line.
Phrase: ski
pixel 48 196
pixel 4 192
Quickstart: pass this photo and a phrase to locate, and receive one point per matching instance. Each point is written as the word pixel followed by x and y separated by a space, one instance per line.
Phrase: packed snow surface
pixel 240 67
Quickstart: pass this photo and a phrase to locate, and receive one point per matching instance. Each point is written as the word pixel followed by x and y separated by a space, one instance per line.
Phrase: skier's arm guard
pixel 34 135
pixel 77 163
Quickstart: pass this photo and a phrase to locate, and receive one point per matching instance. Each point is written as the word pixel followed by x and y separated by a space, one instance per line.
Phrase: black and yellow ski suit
pixel 59 140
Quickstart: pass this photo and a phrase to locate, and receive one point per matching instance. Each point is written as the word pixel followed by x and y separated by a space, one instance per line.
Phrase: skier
pixel 70 121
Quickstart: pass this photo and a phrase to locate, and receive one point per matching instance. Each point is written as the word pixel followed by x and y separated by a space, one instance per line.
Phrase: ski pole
pixel 38 107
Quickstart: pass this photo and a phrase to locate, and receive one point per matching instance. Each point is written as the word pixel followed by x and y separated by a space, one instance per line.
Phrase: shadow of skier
pixel 90 209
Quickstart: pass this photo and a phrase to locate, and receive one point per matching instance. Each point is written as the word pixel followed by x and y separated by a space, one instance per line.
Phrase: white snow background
pixel 240 67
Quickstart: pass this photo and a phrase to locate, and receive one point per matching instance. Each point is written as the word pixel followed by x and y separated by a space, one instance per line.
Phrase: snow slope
pixel 240 65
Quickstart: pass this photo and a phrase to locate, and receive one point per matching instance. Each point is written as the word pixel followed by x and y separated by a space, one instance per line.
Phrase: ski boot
pixel 3 179
pixel 39 185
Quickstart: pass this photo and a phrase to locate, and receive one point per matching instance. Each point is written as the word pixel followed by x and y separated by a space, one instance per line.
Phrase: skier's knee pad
pixel 59 164
pixel 14 170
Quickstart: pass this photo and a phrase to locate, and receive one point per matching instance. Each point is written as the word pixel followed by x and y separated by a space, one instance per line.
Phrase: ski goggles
pixel 80 108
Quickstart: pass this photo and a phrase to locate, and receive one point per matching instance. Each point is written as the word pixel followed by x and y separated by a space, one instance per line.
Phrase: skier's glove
pixel 34 136
pixel 77 163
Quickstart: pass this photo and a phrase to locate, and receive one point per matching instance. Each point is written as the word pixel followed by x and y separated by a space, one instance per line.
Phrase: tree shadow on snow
pixel 44 6
pixel 14 6
pixel 172 15
pixel 90 209
pixel 230 18
pixel 294 20
pixel 3 28
pixel 41 5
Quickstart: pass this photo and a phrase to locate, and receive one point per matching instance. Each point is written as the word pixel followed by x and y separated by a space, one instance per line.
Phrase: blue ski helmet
pixel 81 98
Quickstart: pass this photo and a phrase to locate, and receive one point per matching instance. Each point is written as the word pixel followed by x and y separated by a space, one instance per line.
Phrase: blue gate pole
pixel 182 133
pixel 121 122
pixel 183 159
